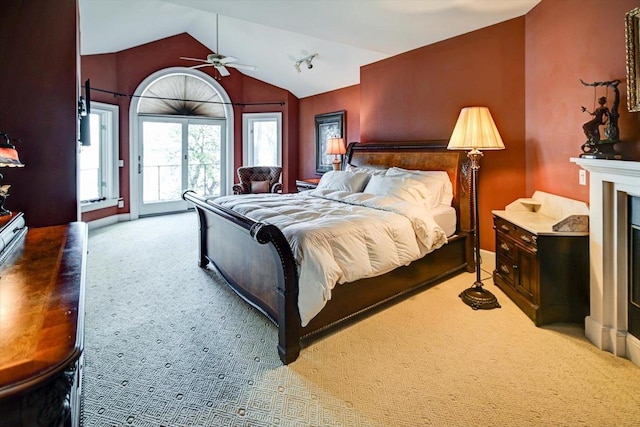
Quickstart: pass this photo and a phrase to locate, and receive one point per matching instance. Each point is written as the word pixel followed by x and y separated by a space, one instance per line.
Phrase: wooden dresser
pixel 545 272
pixel 41 322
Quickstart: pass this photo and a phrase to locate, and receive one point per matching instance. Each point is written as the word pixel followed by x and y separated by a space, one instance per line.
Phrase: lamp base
pixel 337 165
pixel 3 211
pixel 479 298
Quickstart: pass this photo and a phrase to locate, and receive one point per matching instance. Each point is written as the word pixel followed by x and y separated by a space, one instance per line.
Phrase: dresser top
pixel 543 212
pixel 41 306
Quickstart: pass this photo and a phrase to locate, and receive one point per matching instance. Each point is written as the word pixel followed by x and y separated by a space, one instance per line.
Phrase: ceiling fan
pixel 220 62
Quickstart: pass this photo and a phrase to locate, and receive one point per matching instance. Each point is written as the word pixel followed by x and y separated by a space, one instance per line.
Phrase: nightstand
pixel 307 184
pixel 542 257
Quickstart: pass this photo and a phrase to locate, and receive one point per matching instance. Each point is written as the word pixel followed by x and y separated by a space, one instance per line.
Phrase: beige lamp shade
pixel 335 146
pixel 475 129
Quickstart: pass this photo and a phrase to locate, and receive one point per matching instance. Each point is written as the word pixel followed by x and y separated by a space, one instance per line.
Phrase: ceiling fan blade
pixel 227 59
pixel 223 71
pixel 193 59
pixel 200 66
pixel 243 66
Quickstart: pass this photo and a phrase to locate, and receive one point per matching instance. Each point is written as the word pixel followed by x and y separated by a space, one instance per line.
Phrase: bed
pixel 258 262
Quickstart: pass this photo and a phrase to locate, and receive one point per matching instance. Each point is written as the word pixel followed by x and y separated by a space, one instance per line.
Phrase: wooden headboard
pixel 421 155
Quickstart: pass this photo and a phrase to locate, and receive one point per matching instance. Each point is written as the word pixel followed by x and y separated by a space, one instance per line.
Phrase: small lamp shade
pixel 8 153
pixel 475 129
pixel 335 146
pixel 9 158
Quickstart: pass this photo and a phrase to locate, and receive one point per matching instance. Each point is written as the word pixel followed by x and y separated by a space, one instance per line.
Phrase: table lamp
pixel 335 147
pixel 8 158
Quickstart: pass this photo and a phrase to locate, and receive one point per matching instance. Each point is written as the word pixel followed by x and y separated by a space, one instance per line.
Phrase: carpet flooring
pixel 167 345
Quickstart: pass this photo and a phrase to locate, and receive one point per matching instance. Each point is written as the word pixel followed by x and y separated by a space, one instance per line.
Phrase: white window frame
pixel 109 156
pixel 247 119
pixel 134 132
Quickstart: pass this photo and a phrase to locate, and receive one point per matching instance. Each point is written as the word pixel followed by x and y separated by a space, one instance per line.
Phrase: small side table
pixel 307 184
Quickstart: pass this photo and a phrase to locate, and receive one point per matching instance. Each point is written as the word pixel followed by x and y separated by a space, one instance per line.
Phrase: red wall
pixel 347 99
pixel 567 41
pixel 38 105
pixel 418 96
pixel 124 71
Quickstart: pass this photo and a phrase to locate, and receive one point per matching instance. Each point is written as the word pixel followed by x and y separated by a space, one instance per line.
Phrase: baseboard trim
pixel 633 349
pixel 110 220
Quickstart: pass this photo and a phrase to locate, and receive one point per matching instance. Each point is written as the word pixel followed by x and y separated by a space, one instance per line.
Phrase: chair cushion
pixel 260 186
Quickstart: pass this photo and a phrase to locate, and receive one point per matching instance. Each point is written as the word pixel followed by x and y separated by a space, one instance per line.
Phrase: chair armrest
pixel 238 189
pixel 276 188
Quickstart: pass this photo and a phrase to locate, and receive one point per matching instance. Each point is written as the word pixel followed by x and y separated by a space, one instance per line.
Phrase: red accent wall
pixel 567 41
pixel 38 105
pixel 418 96
pixel 527 71
pixel 347 99
pixel 124 71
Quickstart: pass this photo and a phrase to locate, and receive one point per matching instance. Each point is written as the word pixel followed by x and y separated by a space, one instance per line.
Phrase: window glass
pixel 90 168
pixel 98 162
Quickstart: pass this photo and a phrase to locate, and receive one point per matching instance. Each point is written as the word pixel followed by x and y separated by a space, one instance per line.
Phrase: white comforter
pixel 339 237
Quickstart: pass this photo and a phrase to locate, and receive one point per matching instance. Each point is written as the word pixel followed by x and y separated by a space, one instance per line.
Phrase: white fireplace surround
pixel 610 184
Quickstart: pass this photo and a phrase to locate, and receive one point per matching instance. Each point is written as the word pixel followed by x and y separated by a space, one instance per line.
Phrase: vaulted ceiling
pixel 274 34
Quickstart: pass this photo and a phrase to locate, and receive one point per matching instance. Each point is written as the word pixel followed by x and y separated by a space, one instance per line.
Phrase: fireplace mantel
pixel 610 184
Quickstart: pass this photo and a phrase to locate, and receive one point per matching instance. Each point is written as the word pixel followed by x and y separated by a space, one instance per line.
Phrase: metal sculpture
pixel 596 147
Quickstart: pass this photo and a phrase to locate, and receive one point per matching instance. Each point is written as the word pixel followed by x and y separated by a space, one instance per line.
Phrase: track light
pixel 307 60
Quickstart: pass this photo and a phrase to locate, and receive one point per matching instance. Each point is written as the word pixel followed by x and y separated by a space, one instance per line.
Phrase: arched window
pixel 181 138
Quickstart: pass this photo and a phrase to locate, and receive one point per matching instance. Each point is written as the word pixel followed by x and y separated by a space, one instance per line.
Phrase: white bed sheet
pixel 339 237
pixel 445 217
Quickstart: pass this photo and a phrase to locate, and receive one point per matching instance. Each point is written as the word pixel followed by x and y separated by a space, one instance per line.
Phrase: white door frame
pixel 161 207
pixel 134 144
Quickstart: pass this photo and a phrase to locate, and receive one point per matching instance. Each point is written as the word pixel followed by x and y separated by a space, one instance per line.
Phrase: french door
pixel 177 154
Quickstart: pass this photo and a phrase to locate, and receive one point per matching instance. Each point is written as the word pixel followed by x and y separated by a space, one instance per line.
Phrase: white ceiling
pixel 273 34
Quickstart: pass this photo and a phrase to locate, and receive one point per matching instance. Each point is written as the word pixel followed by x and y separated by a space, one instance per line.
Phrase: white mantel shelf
pixel 621 167
pixel 611 182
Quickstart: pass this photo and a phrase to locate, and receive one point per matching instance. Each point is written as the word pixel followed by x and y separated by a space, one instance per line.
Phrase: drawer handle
pixel 505 247
pixel 505 268
pixel 504 227
pixel 525 238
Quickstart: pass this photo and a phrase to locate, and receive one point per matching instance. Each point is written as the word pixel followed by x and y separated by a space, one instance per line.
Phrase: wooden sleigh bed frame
pixel 257 262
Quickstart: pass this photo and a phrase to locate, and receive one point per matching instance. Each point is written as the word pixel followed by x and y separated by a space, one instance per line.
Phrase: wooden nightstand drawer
pixel 519 234
pixel 505 248
pixel 505 268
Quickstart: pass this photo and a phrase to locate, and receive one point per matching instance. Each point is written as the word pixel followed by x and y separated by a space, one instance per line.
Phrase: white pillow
pixel 402 187
pixel 437 181
pixel 343 181
pixel 366 169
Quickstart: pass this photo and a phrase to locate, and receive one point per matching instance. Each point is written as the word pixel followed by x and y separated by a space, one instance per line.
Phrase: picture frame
pixel 632 36
pixel 329 125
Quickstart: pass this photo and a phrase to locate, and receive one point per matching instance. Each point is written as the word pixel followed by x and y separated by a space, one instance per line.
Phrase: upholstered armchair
pixel 258 179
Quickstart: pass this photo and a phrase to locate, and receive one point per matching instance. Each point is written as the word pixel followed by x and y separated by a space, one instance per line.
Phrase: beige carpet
pixel 167 345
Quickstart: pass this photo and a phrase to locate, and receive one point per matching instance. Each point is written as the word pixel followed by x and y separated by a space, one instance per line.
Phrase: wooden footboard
pixel 257 262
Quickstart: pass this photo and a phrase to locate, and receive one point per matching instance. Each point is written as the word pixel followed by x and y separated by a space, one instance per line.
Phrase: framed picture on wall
pixel 330 125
